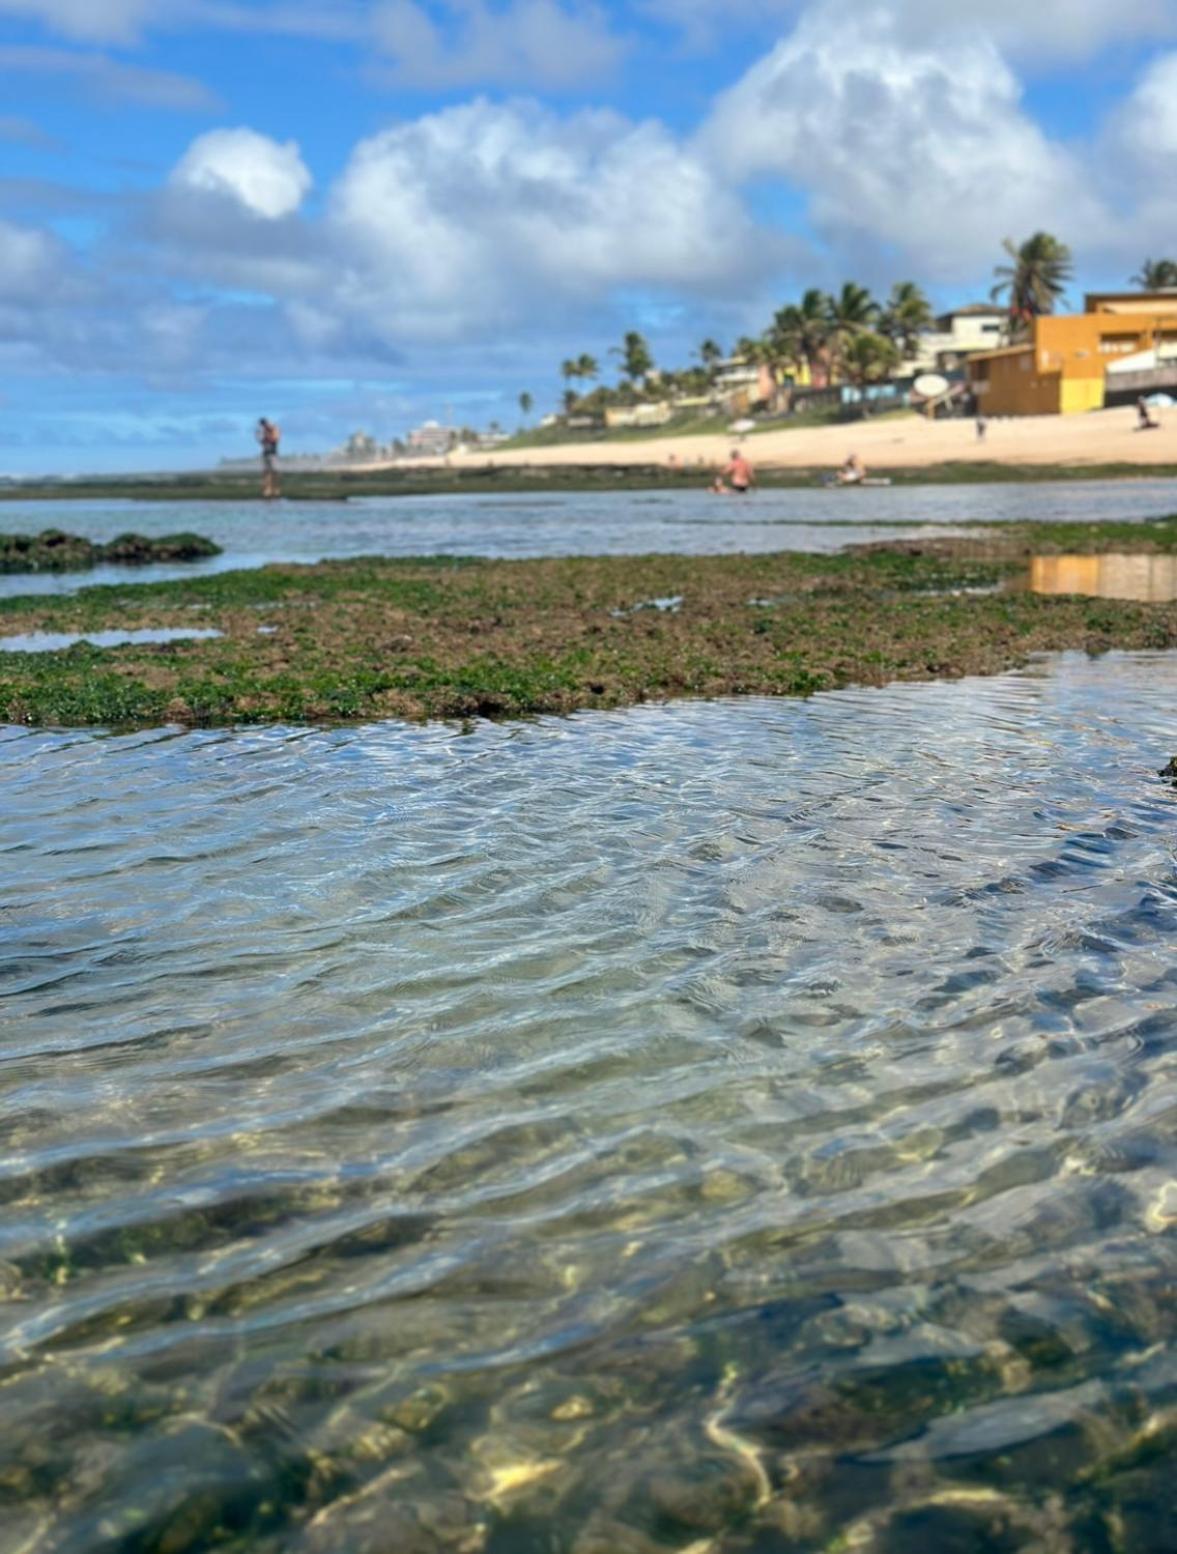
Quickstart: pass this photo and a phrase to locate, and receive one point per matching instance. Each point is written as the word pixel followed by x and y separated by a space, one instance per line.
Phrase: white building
pixel 977 327
pixel 431 441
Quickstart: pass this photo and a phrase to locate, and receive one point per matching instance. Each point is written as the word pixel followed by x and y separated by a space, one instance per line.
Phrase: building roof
pixel 976 310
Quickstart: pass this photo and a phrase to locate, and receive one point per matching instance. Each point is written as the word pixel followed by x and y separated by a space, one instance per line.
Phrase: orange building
pixel 1062 368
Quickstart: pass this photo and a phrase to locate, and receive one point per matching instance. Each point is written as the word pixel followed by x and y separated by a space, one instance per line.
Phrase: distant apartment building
pixel 619 416
pixel 431 441
pixel 1071 363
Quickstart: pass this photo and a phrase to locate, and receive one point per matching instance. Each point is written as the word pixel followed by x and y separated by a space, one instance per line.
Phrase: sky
pixel 360 214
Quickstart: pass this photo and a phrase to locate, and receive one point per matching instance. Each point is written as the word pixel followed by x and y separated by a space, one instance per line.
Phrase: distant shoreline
pixel 470 479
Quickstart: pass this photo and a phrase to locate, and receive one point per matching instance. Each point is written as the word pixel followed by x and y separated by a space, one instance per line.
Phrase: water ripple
pixel 743 1125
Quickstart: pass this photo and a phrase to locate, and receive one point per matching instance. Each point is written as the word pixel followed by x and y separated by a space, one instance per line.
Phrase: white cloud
pixel 919 154
pixel 1040 31
pixel 1054 29
pixel 490 210
pixel 523 43
pixel 1137 159
pixel 29 261
pixel 90 21
pixel 109 80
pixel 265 177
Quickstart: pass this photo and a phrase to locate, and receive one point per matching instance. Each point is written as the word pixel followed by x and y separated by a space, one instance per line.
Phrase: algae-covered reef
pixel 55 551
pixel 439 637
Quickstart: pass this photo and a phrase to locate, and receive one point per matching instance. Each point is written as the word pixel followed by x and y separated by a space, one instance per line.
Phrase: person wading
pixel 269 436
pixel 740 473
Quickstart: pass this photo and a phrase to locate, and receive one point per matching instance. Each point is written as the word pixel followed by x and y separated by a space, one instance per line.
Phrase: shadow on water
pixel 743 1127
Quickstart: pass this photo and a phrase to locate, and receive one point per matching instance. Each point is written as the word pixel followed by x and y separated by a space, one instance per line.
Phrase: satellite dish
pixel 931 385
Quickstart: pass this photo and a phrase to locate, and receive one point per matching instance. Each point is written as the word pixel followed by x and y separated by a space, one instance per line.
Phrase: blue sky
pixel 362 213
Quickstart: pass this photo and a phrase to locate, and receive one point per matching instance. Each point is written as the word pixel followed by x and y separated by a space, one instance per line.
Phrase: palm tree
pixel 1035 280
pixel 802 333
pixel 851 312
pixel 587 366
pixel 906 315
pixel 1157 275
pixel 710 354
pixel 525 404
pixel 569 369
pixel 636 360
pixel 867 357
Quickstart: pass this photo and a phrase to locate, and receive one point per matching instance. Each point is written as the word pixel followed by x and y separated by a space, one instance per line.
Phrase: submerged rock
pixel 55 551
pixel 1170 770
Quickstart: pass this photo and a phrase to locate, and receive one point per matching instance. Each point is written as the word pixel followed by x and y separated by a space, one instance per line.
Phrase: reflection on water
pixel 55 641
pixel 743 1127
pixel 1146 579
pixel 600 523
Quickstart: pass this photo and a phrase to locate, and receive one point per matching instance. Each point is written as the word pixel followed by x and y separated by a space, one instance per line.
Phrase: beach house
pixel 1067 361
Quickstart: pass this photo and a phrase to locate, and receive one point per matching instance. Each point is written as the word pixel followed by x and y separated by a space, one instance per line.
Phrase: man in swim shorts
pixel 740 474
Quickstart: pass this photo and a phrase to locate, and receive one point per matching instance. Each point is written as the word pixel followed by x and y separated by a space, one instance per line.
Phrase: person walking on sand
pixel 740 473
pixel 1145 422
pixel 269 437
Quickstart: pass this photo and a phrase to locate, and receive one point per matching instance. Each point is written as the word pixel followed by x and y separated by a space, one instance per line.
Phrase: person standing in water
pixel 740 474
pixel 269 436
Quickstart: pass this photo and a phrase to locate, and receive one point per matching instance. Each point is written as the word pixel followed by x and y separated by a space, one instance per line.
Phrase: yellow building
pixel 1062 368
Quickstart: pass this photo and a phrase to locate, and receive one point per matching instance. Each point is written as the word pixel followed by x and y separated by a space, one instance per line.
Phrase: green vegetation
pixel 822 340
pixel 55 551
pixel 1157 275
pixel 1035 279
pixel 442 638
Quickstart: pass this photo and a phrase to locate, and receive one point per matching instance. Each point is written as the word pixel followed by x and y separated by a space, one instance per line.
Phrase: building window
pixel 1119 345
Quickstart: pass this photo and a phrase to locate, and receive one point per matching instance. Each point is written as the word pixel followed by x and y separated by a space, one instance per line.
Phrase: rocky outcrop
pixel 55 551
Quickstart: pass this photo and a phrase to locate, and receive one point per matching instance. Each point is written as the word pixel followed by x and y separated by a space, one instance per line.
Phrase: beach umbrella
pixel 742 426
pixel 930 385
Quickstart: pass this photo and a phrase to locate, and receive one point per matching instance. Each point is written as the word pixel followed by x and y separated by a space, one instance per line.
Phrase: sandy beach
pixel 1103 437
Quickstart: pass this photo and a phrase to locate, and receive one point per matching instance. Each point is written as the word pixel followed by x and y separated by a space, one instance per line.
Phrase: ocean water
pixel 745 1126
pixel 562 524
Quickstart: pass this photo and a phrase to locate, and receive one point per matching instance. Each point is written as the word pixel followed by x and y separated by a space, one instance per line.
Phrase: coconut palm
pixel 852 309
pixel 636 360
pixel 1157 275
pixel 906 315
pixel 801 334
pixel 1036 279
pixel 867 357
pixel 710 353
pixel 587 366
pixel 525 404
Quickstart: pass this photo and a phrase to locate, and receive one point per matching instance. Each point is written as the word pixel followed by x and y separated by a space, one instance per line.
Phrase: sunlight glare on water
pixel 743 1126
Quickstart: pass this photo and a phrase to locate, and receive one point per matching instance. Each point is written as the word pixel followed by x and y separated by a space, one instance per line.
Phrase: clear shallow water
pixel 597 523
pixel 55 641
pixel 739 1126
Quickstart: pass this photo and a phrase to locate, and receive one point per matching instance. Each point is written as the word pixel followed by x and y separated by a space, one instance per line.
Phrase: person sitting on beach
pixel 853 472
pixel 740 473
pixel 269 436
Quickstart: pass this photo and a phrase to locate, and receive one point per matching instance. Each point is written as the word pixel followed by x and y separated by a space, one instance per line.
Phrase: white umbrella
pixel 1161 401
pixel 742 426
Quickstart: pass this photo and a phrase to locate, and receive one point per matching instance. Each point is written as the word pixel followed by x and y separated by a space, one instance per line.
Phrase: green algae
pixel 446 638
